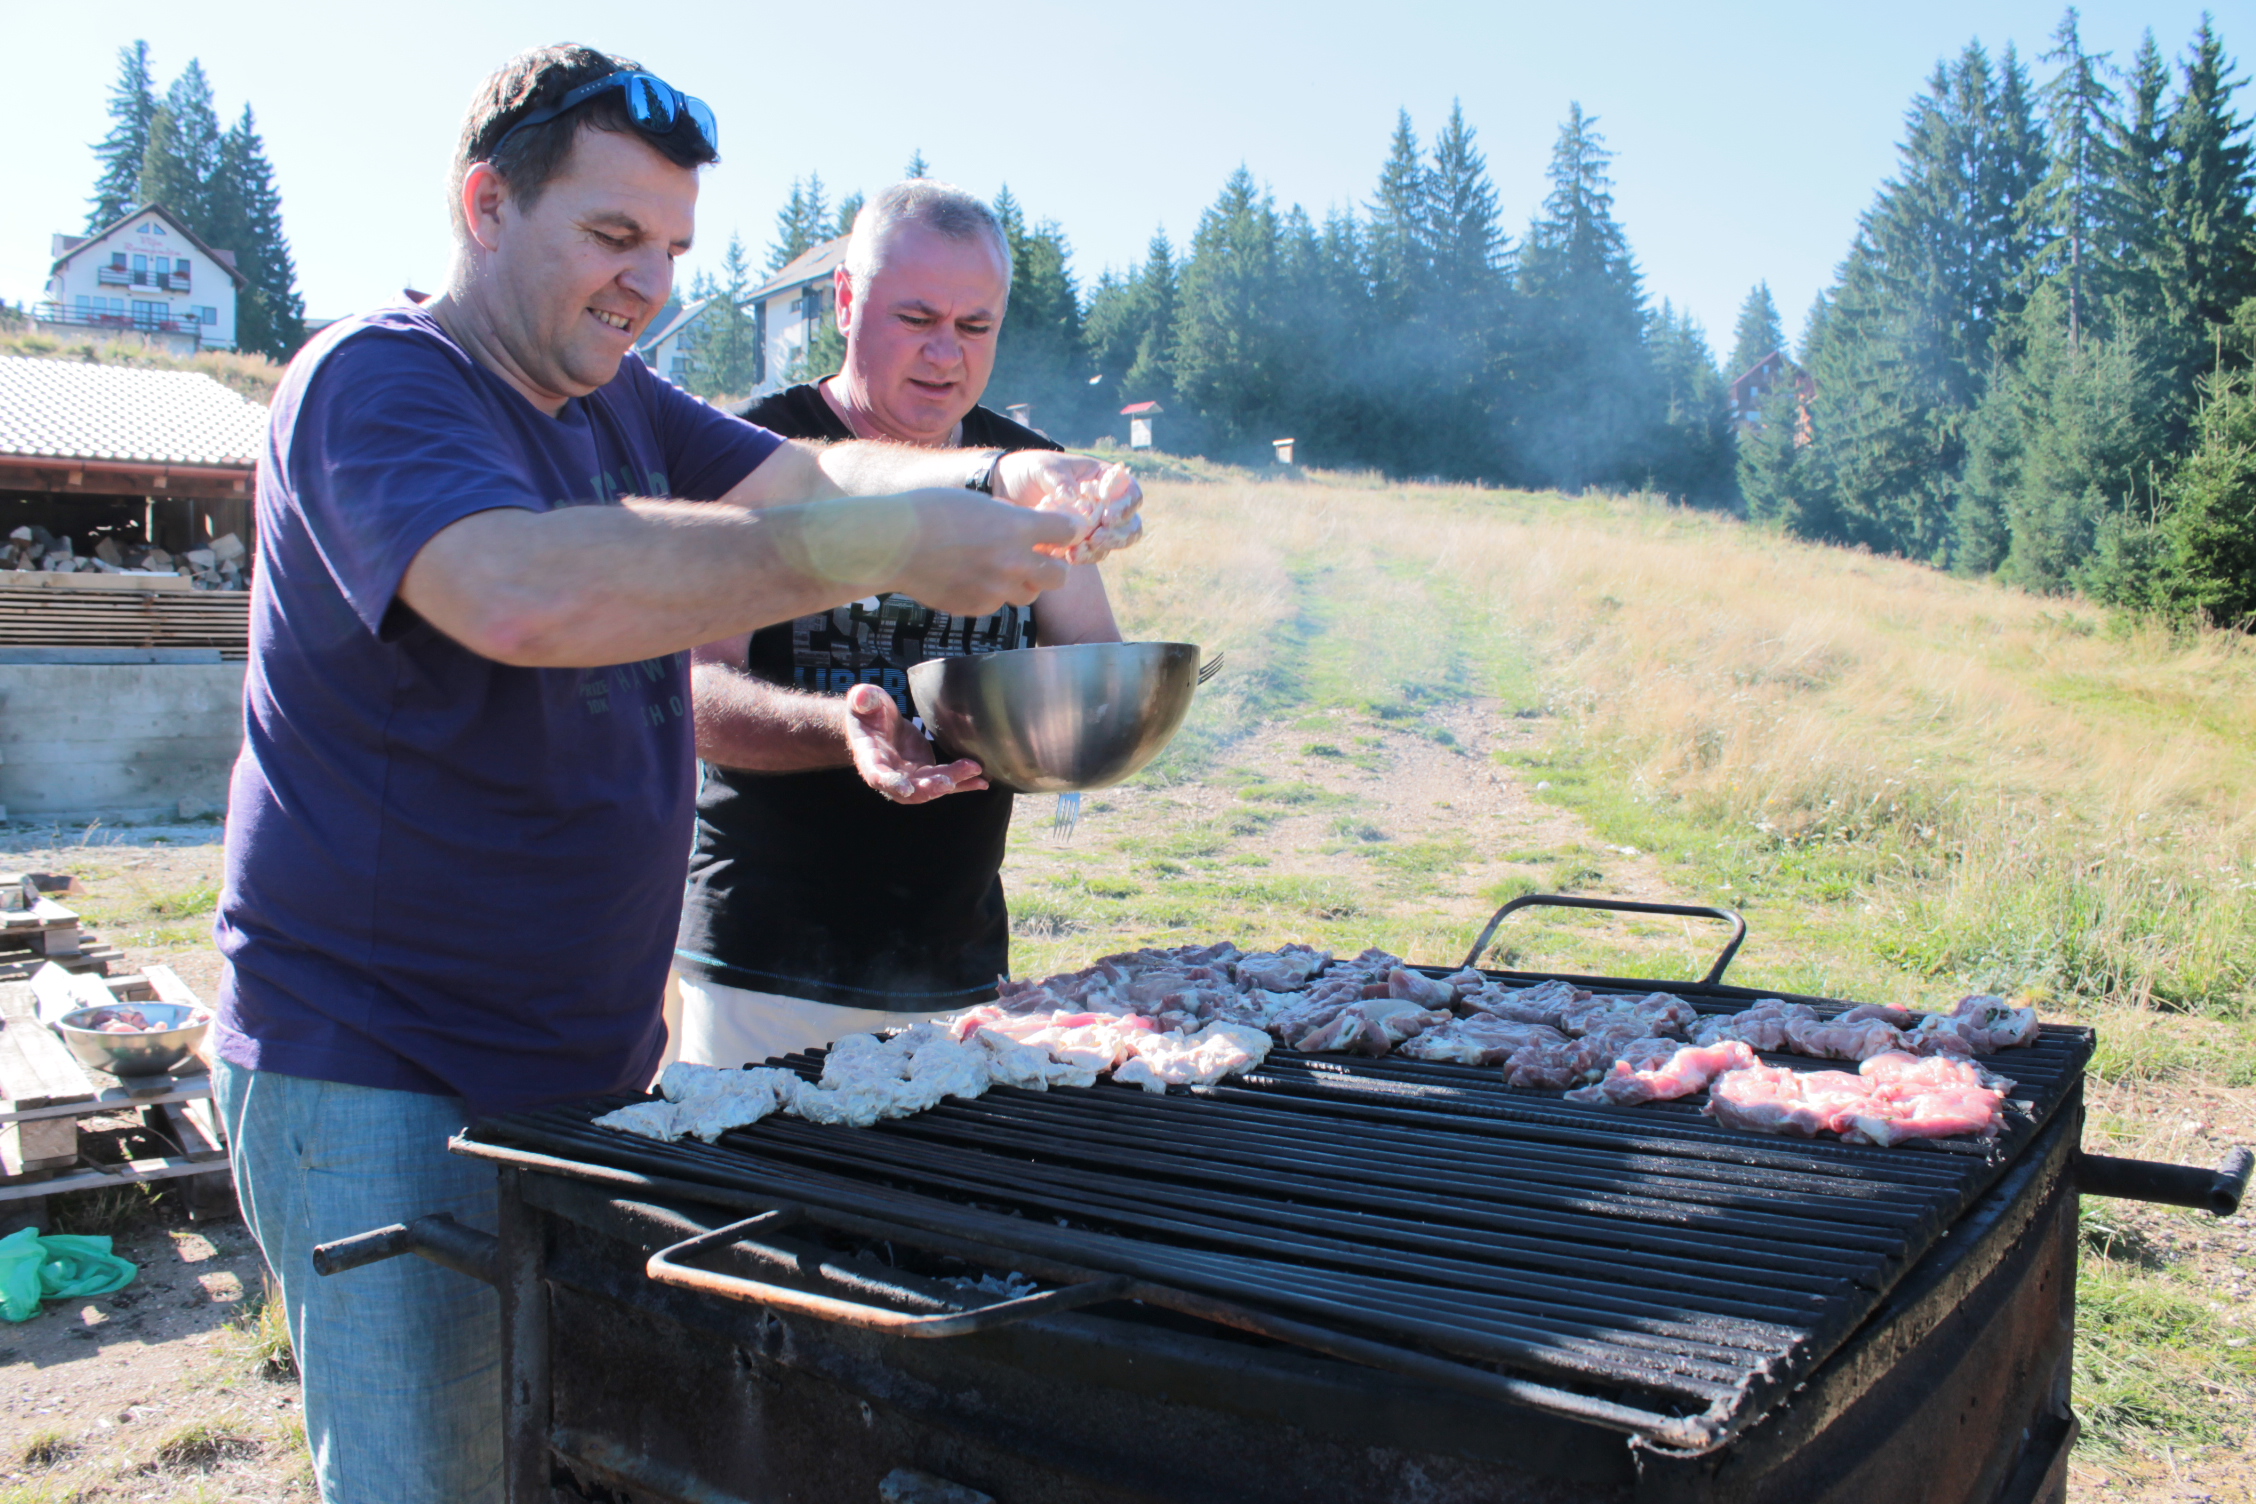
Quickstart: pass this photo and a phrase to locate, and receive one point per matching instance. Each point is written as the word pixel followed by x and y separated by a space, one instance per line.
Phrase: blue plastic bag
pixel 59 1266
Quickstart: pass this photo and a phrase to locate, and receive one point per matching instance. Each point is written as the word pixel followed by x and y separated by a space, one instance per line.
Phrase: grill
pixel 1364 1273
pixel 1421 1218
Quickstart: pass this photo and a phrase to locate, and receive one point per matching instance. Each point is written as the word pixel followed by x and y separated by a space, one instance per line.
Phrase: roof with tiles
pixel 75 410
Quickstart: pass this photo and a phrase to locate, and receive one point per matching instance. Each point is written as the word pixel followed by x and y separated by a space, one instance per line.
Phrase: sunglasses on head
pixel 654 105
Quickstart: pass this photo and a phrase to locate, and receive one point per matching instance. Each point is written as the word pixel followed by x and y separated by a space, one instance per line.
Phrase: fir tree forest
pixel 2034 359
pixel 171 149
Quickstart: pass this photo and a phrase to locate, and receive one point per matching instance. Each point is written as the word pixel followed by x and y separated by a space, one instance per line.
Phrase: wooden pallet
pixel 45 1093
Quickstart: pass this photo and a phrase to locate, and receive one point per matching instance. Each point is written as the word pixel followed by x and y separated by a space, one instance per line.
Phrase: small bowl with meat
pixel 134 1039
pixel 1058 720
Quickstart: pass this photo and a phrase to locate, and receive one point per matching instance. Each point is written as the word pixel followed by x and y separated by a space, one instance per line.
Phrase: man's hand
pixel 894 757
pixel 970 556
pixel 1028 477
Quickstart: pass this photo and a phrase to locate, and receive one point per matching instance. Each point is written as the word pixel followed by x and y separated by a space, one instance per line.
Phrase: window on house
pixel 117 261
pixel 207 314
pixel 140 262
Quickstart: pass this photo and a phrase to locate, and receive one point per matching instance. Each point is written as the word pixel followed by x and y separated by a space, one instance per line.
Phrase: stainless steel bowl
pixel 1052 720
pixel 150 1054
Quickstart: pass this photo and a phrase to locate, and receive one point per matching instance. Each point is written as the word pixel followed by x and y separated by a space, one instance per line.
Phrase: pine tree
pixel 801 224
pixel 244 215
pixel 2138 156
pixel 1455 335
pixel 2076 200
pixel 1588 401
pixel 1229 365
pixel 1399 255
pixel 1040 356
pixel 725 362
pixel 117 192
pixel 2207 251
pixel 842 223
pixel 1757 333
pixel 1130 327
pixel 918 167
pixel 1938 267
pixel 1694 458
pixel 181 162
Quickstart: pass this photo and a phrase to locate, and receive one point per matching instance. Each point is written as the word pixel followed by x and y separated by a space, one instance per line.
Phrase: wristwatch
pixel 982 477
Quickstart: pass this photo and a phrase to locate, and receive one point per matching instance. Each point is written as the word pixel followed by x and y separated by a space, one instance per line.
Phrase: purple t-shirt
pixel 445 874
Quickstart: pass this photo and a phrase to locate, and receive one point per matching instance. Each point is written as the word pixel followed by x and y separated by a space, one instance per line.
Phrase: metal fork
pixel 1067 817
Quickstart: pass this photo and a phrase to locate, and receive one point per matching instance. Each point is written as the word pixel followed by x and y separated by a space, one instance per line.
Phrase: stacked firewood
pixel 222 564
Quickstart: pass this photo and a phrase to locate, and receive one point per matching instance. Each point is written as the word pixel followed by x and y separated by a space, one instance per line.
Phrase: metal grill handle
pixel 667 1268
pixel 1620 905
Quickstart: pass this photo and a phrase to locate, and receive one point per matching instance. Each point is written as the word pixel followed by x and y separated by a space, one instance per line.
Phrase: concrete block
pixel 117 738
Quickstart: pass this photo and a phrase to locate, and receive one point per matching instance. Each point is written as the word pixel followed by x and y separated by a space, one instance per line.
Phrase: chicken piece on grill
pixel 1887 1013
pixel 1216 1051
pixel 1479 1040
pixel 1838 1039
pixel 704 1102
pixel 1011 1063
pixel 1416 987
pixel 1762 1025
pixel 1992 1023
pixel 1687 1069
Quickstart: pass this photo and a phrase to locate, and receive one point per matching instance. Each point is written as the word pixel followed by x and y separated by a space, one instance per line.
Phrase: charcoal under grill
pixel 1329 1279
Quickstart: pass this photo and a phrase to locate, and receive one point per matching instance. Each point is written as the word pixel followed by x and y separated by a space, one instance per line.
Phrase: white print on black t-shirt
pixel 875 641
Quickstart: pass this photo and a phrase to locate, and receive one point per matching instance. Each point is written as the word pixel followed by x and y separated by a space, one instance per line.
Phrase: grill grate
pixel 1646 1256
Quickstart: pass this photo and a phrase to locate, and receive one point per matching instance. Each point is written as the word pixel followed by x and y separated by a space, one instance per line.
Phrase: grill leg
pixel 524 1350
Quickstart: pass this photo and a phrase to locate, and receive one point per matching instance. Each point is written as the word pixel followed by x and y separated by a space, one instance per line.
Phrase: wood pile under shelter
pixel 125 509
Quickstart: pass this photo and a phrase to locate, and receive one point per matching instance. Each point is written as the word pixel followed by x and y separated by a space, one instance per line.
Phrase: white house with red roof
pixel 147 273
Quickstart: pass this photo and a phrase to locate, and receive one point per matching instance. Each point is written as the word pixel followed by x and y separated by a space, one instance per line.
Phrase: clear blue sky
pixel 1747 137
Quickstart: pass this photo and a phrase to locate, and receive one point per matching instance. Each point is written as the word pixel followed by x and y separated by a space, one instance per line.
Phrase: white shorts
pixel 729 1026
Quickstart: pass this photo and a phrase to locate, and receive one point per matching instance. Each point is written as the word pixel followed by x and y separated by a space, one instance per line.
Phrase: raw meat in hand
pixel 1108 508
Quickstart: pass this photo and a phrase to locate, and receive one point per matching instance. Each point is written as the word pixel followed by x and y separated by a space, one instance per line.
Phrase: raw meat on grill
pixel 1011 1063
pixel 1288 968
pixel 1894 1097
pixel 1371 1026
pixel 1544 1003
pixel 1417 987
pixel 1216 1051
pixel 1546 1067
pixel 1762 1026
pixel 1655 1013
pixel 1887 1013
pixel 703 1101
pixel 1773 1099
pixel 1687 1070
pixel 1837 1039
pixel 1478 1040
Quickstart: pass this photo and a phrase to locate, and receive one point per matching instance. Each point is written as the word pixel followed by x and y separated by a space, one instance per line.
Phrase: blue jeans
pixel 401 1360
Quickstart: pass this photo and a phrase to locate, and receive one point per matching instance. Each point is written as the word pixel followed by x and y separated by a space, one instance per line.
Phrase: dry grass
pixel 2020 792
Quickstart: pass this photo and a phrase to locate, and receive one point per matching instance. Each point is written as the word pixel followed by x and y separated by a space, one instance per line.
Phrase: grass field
pixel 1913 786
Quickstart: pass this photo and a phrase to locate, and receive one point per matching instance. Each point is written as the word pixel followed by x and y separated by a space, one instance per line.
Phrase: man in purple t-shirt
pixel 459 825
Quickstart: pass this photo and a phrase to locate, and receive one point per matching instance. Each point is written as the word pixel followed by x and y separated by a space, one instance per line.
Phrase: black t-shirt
pixel 812 884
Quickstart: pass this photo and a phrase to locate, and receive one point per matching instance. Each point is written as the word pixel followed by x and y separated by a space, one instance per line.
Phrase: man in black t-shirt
pixel 842 879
